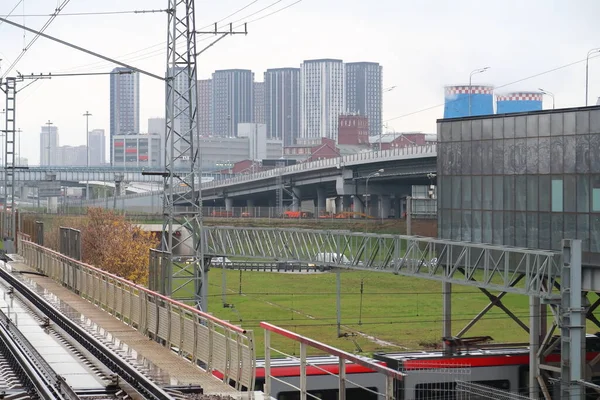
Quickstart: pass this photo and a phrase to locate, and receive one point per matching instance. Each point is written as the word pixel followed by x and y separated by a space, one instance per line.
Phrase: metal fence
pixel 475 391
pixel 386 390
pixel 69 242
pixel 219 347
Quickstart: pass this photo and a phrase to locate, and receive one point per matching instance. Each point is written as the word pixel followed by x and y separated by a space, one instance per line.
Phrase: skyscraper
pixel 97 150
pixel 259 102
pixel 124 103
pixel 282 104
pixel 321 98
pixel 232 99
pixel 205 107
pixel 364 85
pixel 49 145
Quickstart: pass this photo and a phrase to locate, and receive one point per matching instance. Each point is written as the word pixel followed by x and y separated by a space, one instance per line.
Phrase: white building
pixel 97 150
pixel 218 153
pixel 322 100
pixel 72 156
pixel 124 102
pixel 137 151
pixel 257 139
pixel 21 161
pixel 49 145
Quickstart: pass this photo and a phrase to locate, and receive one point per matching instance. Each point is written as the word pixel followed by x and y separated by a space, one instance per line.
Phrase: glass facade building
pixel 526 180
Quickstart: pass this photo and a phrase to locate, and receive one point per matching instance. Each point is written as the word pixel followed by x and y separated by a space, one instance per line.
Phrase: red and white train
pixel 429 374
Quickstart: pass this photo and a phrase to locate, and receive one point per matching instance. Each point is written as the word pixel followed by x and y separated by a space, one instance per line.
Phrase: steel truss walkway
pixel 550 279
pixel 479 265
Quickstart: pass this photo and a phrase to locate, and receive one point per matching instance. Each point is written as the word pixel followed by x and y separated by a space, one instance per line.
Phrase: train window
pixel 332 394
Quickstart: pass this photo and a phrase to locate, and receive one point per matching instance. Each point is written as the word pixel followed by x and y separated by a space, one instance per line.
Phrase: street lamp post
pixel 549 94
pixel 371 175
pixel 87 116
pixel 474 72
pixel 587 71
pixel 48 137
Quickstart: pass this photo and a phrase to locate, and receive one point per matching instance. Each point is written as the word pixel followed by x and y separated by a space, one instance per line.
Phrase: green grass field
pixel 400 312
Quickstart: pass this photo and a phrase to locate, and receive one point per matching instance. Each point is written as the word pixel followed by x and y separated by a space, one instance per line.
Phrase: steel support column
pixel 572 313
pixel 182 200
pixel 534 345
pixel 446 311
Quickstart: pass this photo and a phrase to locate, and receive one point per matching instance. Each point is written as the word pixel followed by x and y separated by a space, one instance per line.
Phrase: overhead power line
pixel 36 37
pixel 140 54
pixel 55 14
pixel 497 87
pixel 13 10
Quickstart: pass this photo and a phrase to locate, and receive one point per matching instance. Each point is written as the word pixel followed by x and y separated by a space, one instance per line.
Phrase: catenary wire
pixel 36 37
pixel 498 87
pixel 12 11
pixel 160 51
pixel 85 13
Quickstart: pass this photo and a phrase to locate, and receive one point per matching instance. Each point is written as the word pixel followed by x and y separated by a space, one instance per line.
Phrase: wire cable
pixel 12 11
pixel 36 37
pixel 497 87
pixel 84 13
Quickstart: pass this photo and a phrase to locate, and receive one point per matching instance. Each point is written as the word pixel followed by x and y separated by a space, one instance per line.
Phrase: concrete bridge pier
pixel 321 200
pixel 24 193
pixel 250 206
pixel 357 204
pixel 373 210
pixel 346 203
pixel 296 198
pixel 339 204
pixel 52 205
pixel 228 204
pixel 385 202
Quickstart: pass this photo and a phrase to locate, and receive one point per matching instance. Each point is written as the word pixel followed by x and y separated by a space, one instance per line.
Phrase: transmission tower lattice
pixel 182 209
pixel 10 89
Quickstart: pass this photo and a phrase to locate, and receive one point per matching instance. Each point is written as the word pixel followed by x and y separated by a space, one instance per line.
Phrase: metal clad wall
pixel 527 180
pixel 457 101
pixel 519 102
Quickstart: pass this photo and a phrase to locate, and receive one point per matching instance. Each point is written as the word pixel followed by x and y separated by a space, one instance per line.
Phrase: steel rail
pixel 145 386
pixel 42 378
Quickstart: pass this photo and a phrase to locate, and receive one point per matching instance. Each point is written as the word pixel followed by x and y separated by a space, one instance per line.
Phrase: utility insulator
pixel 431 191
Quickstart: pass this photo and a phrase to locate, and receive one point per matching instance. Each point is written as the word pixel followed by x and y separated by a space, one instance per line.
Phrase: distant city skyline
pixel 419 67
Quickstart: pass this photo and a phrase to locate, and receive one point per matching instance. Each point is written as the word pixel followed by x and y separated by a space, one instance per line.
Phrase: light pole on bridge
pixel 87 116
pixel 371 175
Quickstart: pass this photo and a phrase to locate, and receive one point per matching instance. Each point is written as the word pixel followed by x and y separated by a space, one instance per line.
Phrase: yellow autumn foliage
pixel 112 243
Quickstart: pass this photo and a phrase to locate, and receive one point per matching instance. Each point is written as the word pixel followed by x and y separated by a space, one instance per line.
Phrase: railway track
pixel 33 375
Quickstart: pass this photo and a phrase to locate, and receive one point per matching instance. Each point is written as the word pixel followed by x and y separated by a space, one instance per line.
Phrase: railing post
pixel 302 371
pixel 389 389
pixel 267 387
pixel 342 379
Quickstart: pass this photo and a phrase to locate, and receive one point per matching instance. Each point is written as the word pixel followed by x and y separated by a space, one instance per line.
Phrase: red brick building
pixel 397 140
pixel 353 130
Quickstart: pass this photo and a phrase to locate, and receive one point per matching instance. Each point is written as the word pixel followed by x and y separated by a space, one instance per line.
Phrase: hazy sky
pixel 422 46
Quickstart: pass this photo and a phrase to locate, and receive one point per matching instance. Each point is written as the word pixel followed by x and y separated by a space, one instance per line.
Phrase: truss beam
pixel 10 89
pixel 495 267
pixel 183 208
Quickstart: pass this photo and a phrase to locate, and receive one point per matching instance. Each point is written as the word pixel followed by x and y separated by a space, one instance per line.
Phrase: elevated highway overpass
pixel 342 178
pixel 74 176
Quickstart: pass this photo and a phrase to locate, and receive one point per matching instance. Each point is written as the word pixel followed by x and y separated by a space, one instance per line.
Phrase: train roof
pixel 317 360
